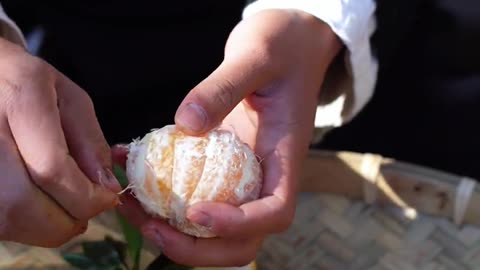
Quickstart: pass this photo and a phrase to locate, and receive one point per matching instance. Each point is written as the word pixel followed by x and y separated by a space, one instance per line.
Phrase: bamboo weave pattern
pixel 331 232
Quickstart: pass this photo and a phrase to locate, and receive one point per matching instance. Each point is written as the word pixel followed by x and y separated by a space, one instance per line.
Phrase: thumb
pixel 207 104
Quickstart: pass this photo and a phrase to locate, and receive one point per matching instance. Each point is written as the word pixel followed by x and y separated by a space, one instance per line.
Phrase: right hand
pixel 55 164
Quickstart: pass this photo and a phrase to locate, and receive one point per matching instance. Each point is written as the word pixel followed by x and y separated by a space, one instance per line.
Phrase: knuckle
pixel 22 77
pixel 37 66
pixel 48 172
pixel 85 100
pixel 47 178
pixel 266 58
pixel 9 92
pixel 34 68
pixel 76 99
pixel 264 53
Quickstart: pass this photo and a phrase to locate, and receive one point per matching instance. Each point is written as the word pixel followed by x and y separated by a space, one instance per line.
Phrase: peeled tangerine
pixel 170 171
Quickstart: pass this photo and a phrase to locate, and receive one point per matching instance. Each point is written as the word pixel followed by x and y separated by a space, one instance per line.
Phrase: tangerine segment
pixel 161 152
pixel 189 162
pixel 222 170
pixel 172 171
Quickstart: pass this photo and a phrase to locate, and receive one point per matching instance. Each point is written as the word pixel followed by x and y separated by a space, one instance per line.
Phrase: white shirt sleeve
pixel 348 86
pixel 9 30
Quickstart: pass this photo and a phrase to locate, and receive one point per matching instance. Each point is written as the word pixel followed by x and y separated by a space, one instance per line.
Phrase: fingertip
pixel 119 154
pixel 221 218
pixel 108 179
pixel 105 198
pixel 120 148
pixel 191 118
pixel 200 218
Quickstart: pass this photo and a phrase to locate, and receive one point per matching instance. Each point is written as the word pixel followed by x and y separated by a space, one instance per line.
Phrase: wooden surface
pixel 406 185
pixel 408 227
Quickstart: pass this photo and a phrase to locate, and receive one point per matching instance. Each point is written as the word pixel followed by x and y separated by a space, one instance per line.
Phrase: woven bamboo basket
pixel 354 211
pixel 364 211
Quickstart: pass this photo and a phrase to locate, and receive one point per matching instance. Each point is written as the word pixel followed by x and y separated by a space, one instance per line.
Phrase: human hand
pixel 266 91
pixel 51 152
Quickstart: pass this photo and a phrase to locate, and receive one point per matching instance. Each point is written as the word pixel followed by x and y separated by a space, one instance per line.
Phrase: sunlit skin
pixel 56 164
pixel 266 91
pixel 53 155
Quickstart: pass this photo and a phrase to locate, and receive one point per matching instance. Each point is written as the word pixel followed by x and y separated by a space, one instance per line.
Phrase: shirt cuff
pixel 9 30
pixel 349 84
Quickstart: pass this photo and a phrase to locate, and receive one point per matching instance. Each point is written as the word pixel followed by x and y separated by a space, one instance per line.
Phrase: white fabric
pixel 354 22
pixel 9 30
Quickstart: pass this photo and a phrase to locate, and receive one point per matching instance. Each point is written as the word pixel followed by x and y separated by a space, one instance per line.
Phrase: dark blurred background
pixel 137 60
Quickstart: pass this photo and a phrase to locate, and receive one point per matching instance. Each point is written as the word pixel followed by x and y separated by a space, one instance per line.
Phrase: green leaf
pixel 134 239
pixel 120 175
pixel 120 247
pixel 79 261
pixel 102 253
pixel 132 235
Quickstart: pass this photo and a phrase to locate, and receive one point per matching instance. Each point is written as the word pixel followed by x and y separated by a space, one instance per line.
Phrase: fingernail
pixel 154 235
pixel 200 218
pixel 192 117
pixel 110 180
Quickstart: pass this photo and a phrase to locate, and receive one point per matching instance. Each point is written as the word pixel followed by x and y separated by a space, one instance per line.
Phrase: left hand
pixel 266 90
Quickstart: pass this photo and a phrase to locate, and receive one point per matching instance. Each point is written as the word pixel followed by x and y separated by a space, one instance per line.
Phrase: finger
pixel 83 134
pixel 27 215
pixel 207 104
pixel 211 252
pixel 131 209
pixel 119 155
pixel 271 213
pixel 267 215
pixel 35 123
